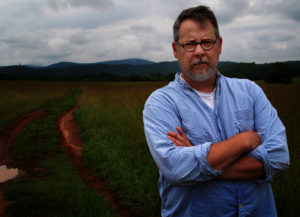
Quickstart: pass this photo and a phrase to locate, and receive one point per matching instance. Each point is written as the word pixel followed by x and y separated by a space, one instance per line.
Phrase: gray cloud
pixel 65 4
pixel 229 10
pixel 275 36
pixel 226 11
pixel 290 8
pixel 46 31
pixel 262 45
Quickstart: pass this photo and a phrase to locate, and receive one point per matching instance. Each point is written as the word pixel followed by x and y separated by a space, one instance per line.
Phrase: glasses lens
pixel 207 44
pixel 190 46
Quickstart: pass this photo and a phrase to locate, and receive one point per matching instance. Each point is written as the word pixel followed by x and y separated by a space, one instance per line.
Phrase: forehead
pixel 192 29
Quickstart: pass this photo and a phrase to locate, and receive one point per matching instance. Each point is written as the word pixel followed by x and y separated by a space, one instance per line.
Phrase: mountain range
pixel 136 62
pixel 140 69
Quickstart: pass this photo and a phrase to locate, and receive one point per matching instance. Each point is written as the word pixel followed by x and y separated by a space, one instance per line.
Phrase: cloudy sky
pixel 42 32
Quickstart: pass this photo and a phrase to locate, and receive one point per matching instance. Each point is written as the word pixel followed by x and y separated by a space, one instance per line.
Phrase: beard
pixel 201 76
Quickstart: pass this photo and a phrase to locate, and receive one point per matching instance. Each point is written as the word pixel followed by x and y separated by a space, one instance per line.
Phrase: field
pixel 109 120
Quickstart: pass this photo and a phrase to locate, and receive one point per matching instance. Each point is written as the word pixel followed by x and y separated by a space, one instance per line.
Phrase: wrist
pixel 251 140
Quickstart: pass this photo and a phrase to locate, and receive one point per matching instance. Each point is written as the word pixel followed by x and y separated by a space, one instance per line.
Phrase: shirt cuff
pixel 206 170
pixel 262 155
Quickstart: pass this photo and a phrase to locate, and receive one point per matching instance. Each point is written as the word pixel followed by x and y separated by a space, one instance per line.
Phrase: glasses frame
pixel 200 43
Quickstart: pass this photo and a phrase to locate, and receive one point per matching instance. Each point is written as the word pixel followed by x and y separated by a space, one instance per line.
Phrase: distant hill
pixel 139 70
pixel 64 65
pixel 136 62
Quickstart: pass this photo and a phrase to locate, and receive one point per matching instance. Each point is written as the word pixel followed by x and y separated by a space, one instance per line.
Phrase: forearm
pixel 243 168
pixel 228 155
pixel 224 153
pixel 178 165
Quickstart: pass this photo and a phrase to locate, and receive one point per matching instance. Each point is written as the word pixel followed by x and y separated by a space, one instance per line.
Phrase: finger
pixel 185 138
pixel 180 140
pixel 170 133
pixel 178 137
pixel 181 132
pixel 177 142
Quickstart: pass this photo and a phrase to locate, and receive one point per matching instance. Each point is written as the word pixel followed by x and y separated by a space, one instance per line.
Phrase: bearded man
pixel 217 141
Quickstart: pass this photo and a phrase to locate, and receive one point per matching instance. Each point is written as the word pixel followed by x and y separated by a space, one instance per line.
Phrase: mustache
pixel 199 61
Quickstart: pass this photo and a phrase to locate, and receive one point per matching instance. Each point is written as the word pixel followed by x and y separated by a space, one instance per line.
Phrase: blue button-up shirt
pixel 186 184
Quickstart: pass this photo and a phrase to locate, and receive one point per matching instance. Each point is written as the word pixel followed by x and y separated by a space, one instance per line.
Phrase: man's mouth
pixel 200 63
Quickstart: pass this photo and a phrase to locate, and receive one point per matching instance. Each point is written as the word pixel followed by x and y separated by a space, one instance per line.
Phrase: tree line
pixel 278 72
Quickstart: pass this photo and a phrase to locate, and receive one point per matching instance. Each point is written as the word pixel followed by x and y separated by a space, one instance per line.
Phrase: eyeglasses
pixel 206 44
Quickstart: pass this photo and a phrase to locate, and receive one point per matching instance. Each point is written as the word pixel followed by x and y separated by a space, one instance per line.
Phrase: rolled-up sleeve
pixel 179 165
pixel 273 150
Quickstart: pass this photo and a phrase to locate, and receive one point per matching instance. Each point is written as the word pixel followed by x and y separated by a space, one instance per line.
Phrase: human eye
pixel 190 44
pixel 207 44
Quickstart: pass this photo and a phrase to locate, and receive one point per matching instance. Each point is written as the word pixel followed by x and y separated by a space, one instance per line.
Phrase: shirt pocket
pixel 198 127
pixel 243 121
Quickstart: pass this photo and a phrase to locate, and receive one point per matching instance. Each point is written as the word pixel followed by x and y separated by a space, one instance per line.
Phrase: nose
pixel 199 50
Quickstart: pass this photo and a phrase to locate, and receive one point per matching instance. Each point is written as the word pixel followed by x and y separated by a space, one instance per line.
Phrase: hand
pixel 179 139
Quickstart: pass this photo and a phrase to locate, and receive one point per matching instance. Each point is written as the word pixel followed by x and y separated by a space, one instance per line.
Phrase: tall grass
pixel 20 97
pixel 110 123
pixel 286 186
pixel 51 186
pixel 109 118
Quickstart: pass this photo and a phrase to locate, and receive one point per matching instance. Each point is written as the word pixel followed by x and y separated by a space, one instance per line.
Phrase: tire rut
pixel 7 139
pixel 73 144
pixel 10 134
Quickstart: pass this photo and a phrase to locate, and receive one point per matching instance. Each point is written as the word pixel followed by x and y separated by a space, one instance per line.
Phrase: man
pixel 217 141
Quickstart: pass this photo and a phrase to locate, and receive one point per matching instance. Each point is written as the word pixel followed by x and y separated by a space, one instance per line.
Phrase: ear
pixel 174 46
pixel 220 44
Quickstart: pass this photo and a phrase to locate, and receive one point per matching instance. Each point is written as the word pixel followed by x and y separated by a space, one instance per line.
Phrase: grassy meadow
pixel 286 186
pixel 20 97
pixel 51 185
pixel 109 119
pixel 110 122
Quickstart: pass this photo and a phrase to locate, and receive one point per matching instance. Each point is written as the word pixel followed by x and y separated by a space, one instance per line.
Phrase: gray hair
pixel 199 14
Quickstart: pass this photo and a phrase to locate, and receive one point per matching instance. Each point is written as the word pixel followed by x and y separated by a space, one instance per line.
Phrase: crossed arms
pixel 244 156
pixel 259 153
pixel 229 155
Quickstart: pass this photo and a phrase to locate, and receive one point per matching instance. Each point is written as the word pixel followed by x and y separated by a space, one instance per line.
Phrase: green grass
pixel 286 186
pixel 55 191
pixel 109 118
pixel 20 97
pixel 110 123
pixel 51 185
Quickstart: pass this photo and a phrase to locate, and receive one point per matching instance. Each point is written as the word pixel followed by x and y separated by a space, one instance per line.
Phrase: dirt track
pixel 7 139
pixel 71 143
pixel 9 135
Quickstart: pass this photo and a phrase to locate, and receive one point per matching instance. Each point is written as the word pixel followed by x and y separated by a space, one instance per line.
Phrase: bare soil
pixel 9 135
pixel 7 139
pixel 73 145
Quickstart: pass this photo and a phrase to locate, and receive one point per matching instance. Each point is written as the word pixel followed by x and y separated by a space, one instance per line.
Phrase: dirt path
pixel 10 134
pixel 7 139
pixel 73 145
